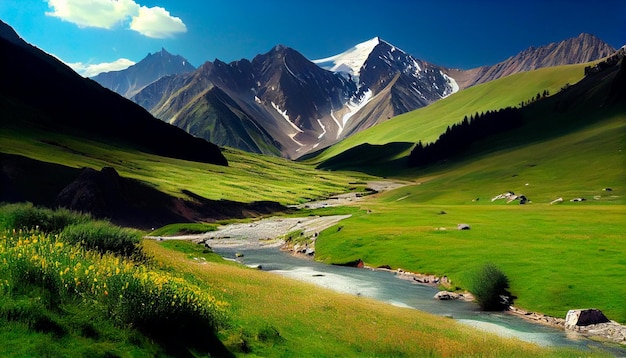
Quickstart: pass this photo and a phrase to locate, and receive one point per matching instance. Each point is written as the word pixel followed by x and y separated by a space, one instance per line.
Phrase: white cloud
pixel 90 70
pixel 154 22
pixel 94 13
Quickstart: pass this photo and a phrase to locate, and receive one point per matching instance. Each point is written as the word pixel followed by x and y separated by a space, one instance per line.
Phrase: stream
pixel 385 287
pixel 256 245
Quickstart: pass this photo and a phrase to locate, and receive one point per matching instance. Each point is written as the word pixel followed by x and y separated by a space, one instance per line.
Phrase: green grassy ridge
pixel 249 177
pixel 427 123
pixel 558 257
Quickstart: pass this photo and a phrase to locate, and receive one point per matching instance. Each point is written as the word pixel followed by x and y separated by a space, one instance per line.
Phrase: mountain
pixel 282 103
pixel 154 66
pixel 8 33
pixel 278 103
pixel 40 94
pixel 597 100
pixel 389 81
pixel 581 49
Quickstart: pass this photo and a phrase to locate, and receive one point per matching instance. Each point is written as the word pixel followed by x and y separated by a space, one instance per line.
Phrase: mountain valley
pixel 217 144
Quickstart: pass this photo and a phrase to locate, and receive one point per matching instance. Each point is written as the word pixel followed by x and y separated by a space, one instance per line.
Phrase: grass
pixel 558 257
pixel 53 288
pixel 183 229
pixel 248 177
pixel 427 123
pixel 275 316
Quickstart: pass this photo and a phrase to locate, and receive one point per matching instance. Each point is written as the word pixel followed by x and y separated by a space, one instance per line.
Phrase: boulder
pixel 584 317
pixel 446 296
pixel 463 227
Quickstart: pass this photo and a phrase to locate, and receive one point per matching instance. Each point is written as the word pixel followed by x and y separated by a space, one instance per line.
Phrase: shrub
pixel 26 216
pixel 489 285
pixel 103 237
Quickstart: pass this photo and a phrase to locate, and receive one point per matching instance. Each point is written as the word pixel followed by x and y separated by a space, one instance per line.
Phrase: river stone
pixel 446 296
pixel 584 317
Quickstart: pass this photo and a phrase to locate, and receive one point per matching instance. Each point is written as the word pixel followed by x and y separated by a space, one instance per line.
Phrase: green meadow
pixel 558 257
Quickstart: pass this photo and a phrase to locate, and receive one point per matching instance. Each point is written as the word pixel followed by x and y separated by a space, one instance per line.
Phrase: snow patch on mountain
pixel 332 115
pixel 351 61
pixel 323 129
pixel 356 106
pixel 454 87
pixel 284 115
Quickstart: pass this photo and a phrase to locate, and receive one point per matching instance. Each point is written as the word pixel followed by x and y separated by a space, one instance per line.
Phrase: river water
pixel 384 286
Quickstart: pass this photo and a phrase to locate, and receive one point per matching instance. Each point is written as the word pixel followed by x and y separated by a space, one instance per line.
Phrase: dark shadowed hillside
pixel 62 101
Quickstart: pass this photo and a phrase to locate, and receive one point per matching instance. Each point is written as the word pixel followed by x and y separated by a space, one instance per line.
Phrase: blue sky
pixel 459 34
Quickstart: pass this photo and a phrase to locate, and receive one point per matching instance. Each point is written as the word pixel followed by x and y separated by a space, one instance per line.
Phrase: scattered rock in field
pixel 578 199
pixel 607 189
pixel 475 200
pixel 510 196
pixel 463 227
pixel 442 212
pixel 556 201
pixel 446 296
pixel 584 317
pixel 506 195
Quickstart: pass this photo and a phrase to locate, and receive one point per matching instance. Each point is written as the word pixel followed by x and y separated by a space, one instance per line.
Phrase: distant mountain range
pixel 581 49
pixel 281 103
pixel 40 94
pixel 133 79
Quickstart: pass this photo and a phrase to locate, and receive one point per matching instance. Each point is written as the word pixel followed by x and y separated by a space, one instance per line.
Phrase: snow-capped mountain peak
pixel 350 61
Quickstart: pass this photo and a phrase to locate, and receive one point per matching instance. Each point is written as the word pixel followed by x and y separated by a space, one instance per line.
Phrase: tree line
pixel 461 135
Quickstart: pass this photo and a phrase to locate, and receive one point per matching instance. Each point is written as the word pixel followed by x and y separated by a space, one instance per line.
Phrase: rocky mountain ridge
pixel 280 103
pixel 581 49
pixel 288 105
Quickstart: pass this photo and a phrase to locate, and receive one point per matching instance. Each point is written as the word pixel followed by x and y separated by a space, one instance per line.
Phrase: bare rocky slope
pixel 581 49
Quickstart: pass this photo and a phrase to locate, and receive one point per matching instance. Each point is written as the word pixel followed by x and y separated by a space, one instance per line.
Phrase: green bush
pixel 28 217
pixel 103 237
pixel 489 285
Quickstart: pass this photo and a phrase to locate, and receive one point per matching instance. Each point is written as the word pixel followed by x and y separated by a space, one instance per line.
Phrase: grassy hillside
pixel 427 123
pixel 248 177
pixel 558 256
